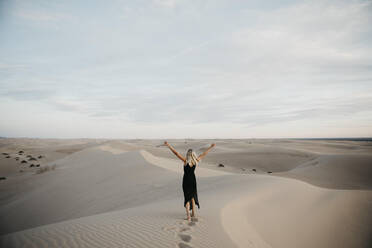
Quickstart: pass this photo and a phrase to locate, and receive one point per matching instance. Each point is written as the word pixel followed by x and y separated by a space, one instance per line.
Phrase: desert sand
pixel 128 193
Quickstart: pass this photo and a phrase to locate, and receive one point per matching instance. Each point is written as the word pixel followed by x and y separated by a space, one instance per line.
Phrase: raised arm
pixel 175 152
pixel 206 152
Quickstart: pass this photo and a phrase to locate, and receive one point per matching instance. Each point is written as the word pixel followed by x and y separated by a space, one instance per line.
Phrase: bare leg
pixel 187 211
pixel 193 213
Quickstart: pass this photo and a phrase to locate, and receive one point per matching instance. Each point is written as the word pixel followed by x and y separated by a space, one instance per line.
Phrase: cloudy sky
pixel 185 69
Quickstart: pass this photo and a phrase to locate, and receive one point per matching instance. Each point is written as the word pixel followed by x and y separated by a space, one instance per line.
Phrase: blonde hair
pixel 191 157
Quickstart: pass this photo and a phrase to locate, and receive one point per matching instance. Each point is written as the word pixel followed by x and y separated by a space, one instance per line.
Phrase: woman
pixel 189 181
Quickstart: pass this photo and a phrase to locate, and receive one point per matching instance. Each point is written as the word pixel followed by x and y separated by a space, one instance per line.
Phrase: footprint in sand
pixel 191 224
pixel 183 245
pixel 178 228
pixel 182 230
pixel 185 237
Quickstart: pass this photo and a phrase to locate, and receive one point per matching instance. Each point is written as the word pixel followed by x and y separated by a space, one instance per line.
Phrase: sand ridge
pixel 177 165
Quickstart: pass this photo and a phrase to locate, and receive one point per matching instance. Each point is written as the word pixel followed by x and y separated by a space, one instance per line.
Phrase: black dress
pixel 189 185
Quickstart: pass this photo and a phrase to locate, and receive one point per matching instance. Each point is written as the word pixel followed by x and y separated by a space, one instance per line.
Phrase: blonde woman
pixel 189 181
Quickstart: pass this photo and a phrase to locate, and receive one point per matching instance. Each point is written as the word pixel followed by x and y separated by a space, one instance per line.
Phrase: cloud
pixel 5 66
pixel 305 37
pixel 26 94
pixel 202 105
pixel 166 3
pixel 40 16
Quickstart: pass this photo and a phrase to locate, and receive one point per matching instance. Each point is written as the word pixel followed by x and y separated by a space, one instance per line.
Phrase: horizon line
pixel 356 138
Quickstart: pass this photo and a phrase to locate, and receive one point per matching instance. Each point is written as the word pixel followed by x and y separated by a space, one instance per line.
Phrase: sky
pixel 148 69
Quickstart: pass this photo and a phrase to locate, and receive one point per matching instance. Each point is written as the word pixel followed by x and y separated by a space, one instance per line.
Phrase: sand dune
pixel 282 214
pixel 127 193
pixel 336 171
pixel 87 182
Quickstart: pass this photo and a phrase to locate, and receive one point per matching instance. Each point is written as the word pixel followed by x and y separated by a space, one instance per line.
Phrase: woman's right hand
pixel 213 145
pixel 166 143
